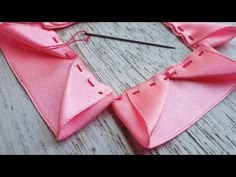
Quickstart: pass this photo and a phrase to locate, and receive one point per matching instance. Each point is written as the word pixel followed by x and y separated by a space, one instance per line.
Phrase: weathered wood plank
pixel 121 66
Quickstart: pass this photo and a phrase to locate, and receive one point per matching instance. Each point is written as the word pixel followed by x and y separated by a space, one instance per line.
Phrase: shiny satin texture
pixel 68 96
pixel 65 93
pixel 56 25
pixel 170 102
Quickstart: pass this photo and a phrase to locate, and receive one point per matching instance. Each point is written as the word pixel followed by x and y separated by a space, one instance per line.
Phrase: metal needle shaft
pixel 128 40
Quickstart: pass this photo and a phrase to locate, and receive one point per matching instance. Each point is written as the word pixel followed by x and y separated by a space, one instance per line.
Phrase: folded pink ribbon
pixel 65 93
pixel 169 103
pixel 68 96
pixel 56 25
pixel 195 34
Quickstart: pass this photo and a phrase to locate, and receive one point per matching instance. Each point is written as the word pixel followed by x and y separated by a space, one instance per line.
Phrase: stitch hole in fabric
pixel 201 53
pixel 181 29
pixel 119 98
pixel 55 39
pixel 168 75
pixel 187 63
pixel 67 55
pixel 195 45
pixel 137 91
pixel 90 83
pixel 79 68
pixel 152 84
pixel 190 37
pixel 166 78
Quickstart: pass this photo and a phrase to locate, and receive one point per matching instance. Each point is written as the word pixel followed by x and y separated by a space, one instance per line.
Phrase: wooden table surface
pixel 120 65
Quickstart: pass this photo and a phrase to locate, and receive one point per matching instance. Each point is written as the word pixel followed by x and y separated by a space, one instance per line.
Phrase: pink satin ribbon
pixel 65 93
pixel 56 25
pixel 169 103
pixel 68 96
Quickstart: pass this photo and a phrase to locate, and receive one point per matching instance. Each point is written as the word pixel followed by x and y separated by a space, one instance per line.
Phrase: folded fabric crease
pixel 68 96
pixel 204 73
pixel 58 86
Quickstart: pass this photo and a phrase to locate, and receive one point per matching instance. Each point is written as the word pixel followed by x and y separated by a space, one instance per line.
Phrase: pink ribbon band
pixel 68 96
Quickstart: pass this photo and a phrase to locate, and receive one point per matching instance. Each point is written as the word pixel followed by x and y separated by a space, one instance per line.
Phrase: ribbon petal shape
pixel 83 99
pixel 58 87
pixel 68 96
pixel 205 73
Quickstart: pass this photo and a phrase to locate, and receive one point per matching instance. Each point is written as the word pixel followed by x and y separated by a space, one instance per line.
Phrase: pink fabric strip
pixel 68 96
pixel 65 93
pixel 56 25
pixel 169 103
pixel 195 34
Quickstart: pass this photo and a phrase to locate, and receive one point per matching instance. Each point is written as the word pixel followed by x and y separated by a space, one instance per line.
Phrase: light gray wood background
pixel 120 65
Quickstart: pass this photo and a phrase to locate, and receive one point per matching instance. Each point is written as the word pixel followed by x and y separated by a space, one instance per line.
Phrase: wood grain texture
pixel 120 65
